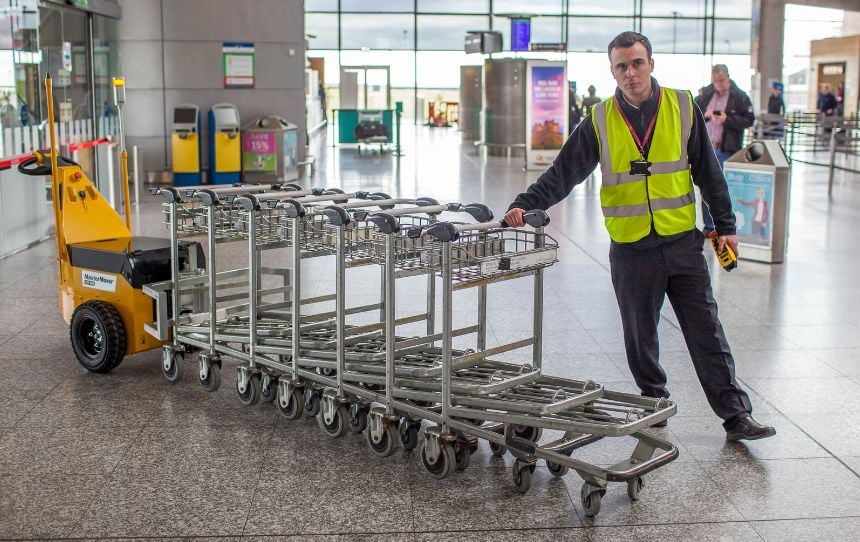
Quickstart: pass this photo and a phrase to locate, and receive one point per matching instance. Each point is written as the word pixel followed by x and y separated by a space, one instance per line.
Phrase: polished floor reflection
pixel 129 455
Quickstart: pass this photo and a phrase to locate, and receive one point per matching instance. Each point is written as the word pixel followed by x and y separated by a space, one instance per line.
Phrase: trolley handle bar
pixel 336 215
pixel 320 195
pixel 169 193
pixel 293 208
pixel 447 231
pixel 535 218
pixel 272 200
pixel 235 188
pixel 430 206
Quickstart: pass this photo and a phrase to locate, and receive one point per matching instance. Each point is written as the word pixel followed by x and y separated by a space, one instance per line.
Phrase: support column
pixel 766 50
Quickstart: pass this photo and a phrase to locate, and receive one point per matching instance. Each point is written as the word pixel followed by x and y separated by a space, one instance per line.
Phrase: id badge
pixel 640 167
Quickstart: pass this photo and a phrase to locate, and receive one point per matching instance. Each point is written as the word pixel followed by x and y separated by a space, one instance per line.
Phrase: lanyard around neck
pixel 641 143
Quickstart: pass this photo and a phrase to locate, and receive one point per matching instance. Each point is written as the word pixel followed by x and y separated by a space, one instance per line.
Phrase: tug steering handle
pixel 43 167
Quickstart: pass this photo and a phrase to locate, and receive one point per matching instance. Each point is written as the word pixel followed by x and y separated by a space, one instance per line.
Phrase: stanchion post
pixel 135 163
pixel 832 161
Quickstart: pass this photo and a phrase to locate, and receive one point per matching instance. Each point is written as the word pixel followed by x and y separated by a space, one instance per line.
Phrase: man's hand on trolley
pixel 514 218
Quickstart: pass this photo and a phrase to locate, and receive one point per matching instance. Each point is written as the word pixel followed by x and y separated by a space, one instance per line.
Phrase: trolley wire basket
pixel 192 220
pixel 480 256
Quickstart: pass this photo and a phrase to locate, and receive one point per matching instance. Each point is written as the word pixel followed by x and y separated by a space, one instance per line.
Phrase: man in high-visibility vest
pixel 651 144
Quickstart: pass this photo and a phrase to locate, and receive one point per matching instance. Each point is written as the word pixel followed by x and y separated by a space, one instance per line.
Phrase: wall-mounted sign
pixel 238 63
pixel 546 111
pixel 559 47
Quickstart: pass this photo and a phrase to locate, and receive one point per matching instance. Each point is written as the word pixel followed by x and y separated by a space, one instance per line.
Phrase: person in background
pixel 728 111
pixel 651 144
pixel 574 112
pixel 591 100
pixel 840 96
pixel 775 103
pixel 826 101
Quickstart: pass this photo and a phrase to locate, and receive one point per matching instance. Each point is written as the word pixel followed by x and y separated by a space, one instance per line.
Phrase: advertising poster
pixel 752 201
pixel 546 112
pixel 291 149
pixel 258 152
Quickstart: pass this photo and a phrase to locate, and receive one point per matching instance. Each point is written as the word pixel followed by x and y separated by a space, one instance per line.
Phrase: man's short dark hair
pixel 629 39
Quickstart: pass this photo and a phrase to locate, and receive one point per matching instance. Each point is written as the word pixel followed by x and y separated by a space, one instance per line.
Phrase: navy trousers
pixel 642 278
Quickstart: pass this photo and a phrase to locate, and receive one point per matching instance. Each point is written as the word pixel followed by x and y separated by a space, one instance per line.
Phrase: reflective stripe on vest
pixel 631 202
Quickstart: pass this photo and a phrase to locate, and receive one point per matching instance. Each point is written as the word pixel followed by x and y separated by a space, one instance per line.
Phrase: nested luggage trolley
pixel 365 376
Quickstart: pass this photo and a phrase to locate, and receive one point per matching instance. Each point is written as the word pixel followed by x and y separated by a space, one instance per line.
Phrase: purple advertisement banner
pixel 548 86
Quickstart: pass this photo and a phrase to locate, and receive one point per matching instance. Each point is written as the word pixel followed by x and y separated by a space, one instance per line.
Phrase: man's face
pixel 632 69
pixel 720 80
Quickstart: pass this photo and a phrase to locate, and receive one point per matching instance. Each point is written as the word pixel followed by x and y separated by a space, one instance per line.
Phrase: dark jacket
pixel 580 155
pixel 827 102
pixel 775 105
pixel 739 110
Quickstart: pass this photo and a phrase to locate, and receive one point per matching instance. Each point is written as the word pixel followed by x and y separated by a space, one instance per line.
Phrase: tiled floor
pixel 129 455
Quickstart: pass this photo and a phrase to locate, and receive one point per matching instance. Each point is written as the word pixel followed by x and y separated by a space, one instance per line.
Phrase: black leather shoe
pixel 749 429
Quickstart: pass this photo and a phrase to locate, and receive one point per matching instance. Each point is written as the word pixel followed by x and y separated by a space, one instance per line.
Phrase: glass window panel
pixel 675 35
pixel 324 27
pixel 441 69
pixel 503 25
pixel 377 32
pixel 106 62
pixel 446 32
pixel 546 29
pixel 732 37
pixel 377 5
pixel 733 8
pixel 548 7
pixel 613 7
pixel 320 5
pixel 594 34
pixel 400 63
pixel 454 6
pixel 670 8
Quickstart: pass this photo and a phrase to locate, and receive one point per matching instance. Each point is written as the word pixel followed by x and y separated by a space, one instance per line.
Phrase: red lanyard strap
pixel 649 132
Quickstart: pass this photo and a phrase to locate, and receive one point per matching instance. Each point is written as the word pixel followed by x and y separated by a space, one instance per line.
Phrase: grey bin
pixel 270 150
pixel 759 180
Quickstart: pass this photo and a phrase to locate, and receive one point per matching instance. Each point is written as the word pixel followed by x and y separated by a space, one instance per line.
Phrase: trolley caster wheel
pixel 408 432
pixel 499 450
pixel 334 425
pixel 462 456
pixel 212 381
pixel 557 470
pixel 327 371
pixel 528 433
pixel 522 473
pixel 269 391
pixel 384 443
pixel 251 394
pixel 441 467
pixel 634 487
pixel 291 404
pixel 591 497
pixel 171 365
pixel 312 402
pixel 357 419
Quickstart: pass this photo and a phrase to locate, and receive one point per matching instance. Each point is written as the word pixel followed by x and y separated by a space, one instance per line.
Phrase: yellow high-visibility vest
pixel 665 197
